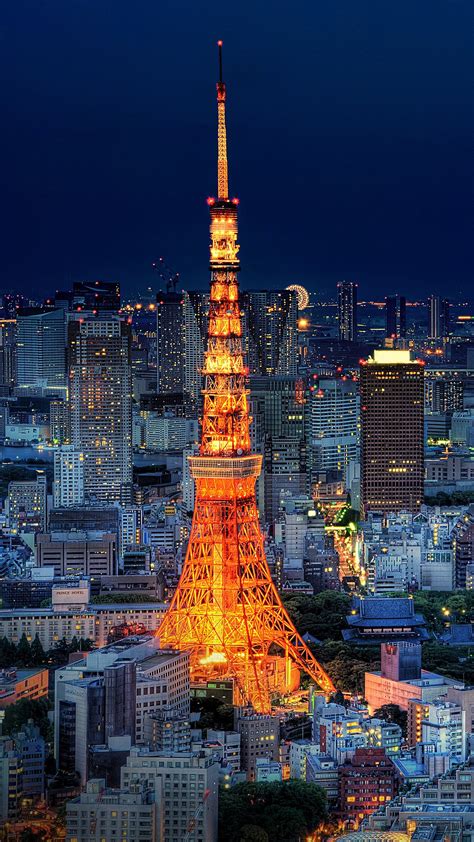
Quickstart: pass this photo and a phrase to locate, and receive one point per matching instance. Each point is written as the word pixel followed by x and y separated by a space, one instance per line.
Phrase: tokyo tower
pixel 226 609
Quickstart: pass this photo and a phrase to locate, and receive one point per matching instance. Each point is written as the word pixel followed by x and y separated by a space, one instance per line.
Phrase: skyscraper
pixel 101 405
pixel 395 316
pixel 333 420
pixel 439 325
pixel 170 341
pixel 196 308
pixel 392 432
pixel 41 351
pixel 7 352
pixel 347 310
pixel 270 331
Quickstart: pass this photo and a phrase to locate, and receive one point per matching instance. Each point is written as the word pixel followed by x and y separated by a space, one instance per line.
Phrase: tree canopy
pixel 322 615
pixel 283 812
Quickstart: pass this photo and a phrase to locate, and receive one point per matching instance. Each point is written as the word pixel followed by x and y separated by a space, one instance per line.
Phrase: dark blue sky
pixel 351 128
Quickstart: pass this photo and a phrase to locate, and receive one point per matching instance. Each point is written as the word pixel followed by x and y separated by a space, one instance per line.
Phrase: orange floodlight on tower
pixel 226 609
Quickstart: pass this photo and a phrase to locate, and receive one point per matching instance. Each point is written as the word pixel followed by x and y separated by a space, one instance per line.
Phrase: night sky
pixel 351 130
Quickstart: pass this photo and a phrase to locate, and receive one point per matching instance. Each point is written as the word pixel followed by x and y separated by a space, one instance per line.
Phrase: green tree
pixel 38 655
pixel 18 714
pixel 23 652
pixel 322 615
pixel 7 653
pixel 105 598
pixel 59 654
pixel 285 811
pixel 253 833
pixel 392 713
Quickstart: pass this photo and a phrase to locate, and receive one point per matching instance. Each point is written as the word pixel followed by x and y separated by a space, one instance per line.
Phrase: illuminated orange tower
pixel 226 609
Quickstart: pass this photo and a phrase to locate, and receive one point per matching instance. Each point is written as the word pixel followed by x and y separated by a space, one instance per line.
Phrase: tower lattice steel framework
pixel 226 609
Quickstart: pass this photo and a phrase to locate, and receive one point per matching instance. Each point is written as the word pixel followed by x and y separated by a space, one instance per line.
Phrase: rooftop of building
pixel 90 609
pixel 427 679
pixel 10 677
pixel 73 535
pixel 143 649
pixel 409 768
pixel 458 634
pixel 384 615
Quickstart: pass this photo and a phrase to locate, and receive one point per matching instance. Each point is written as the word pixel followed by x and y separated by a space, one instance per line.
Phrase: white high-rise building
pixel 68 485
pixel 334 424
pixel 131 522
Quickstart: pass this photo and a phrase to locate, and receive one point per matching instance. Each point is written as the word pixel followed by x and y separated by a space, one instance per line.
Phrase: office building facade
pixel 347 310
pixel 333 420
pixel 101 405
pixel 392 432
pixel 395 317
pixel 41 352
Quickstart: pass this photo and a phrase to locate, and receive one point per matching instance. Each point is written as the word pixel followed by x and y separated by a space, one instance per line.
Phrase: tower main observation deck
pixel 226 609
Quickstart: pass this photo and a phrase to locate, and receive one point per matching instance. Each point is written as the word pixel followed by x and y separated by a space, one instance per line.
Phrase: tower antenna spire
pixel 222 168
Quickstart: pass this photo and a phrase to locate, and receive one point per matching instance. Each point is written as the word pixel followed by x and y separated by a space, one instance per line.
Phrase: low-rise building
pixel 26 504
pixel 18 684
pixel 300 750
pixel 260 737
pixel 134 814
pixel 377 620
pixel 189 782
pixel 85 553
pixel 322 770
pixel 267 771
pixel 90 622
pixel 226 745
pixel 366 781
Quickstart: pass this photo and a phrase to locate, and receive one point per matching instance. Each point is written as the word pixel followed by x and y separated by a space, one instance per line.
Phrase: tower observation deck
pixel 226 609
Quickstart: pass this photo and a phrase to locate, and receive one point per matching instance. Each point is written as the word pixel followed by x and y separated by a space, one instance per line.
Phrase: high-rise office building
pixel 100 394
pixel 392 432
pixel 7 352
pixel 41 352
pixel 278 404
pixel 439 325
pixel 347 310
pixel 170 341
pixel 395 317
pixel 333 421
pixel 270 331
pixel 196 308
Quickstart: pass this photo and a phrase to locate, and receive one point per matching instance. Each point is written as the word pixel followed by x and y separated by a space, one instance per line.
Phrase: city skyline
pixel 355 109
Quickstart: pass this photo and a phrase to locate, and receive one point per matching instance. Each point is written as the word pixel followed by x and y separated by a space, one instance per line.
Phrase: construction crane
pixel 167 274
pixel 196 816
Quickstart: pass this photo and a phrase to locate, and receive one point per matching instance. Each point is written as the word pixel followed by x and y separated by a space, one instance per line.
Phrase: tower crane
pixel 167 274
pixel 197 814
